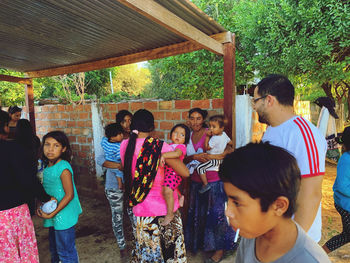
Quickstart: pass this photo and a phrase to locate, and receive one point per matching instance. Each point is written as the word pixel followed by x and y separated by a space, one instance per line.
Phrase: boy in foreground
pixel 262 182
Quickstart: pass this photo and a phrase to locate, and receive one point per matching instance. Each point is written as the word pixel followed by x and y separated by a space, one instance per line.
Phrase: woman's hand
pixel 162 161
pixel 201 157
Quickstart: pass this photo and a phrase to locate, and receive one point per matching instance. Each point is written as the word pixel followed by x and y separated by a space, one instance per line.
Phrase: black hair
pixel 4 120
pixel 265 172
pixel 204 113
pixel 187 131
pixel 26 137
pixel 344 138
pixel 119 117
pixel 278 86
pixel 62 138
pixel 220 119
pixel 14 109
pixel 142 121
pixel 113 129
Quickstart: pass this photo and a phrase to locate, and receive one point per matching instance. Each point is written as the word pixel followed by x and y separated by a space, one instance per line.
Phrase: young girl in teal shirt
pixel 58 182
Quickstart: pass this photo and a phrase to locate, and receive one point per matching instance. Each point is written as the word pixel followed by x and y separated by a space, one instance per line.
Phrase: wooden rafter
pixel 167 19
pixel 161 52
pixel 15 79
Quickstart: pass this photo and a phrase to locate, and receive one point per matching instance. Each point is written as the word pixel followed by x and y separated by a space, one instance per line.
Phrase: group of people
pixel 272 189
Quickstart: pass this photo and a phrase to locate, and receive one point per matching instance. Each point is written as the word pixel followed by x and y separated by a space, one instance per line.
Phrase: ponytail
pixel 129 153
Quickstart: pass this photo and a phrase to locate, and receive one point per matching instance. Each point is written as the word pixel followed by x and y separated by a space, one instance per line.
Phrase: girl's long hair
pixel 62 138
pixel 142 121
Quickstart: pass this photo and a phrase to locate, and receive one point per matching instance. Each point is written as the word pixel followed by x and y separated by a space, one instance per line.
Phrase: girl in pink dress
pixel 180 135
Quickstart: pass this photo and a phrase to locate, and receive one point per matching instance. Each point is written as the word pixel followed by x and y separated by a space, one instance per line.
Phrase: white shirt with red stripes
pixel 305 142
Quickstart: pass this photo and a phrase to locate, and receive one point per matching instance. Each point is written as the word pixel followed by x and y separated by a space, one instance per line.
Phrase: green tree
pixel 131 79
pixel 14 93
pixel 307 40
pixel 98 81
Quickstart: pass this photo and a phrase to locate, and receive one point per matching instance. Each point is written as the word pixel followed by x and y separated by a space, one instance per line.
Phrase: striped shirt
pixel 305 142
pixel 111 149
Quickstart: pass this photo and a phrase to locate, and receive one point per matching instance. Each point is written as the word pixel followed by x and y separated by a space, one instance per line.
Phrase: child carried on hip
pixel 180 135
pixel 215 143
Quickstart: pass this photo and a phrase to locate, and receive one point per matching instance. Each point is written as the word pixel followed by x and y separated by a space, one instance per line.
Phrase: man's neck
pixel 281 114
pixel 277 242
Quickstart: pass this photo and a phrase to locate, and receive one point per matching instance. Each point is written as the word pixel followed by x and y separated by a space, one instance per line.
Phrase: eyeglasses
pixel 257 99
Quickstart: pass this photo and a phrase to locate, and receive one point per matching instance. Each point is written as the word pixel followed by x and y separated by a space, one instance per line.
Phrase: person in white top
pixel 273 101
pixel 215 143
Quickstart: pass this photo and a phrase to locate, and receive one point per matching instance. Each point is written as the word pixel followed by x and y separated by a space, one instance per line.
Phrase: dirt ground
pixel 96 242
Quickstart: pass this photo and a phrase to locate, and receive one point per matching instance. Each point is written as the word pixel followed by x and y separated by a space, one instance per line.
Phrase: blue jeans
pixel 62 245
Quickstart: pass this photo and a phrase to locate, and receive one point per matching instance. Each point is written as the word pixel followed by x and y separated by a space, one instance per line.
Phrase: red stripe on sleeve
pixel 307 146
pixel 312 146
pixel 314 143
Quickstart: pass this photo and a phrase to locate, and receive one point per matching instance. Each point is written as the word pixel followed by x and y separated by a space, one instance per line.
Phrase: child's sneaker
pixel 204 189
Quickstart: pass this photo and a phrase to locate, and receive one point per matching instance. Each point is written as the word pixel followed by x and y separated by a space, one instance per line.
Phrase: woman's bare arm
pixel 112 165
pixel 228 149
pixel 178 166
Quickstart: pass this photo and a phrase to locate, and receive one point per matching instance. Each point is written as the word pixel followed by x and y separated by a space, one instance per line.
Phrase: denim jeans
pixel 62 245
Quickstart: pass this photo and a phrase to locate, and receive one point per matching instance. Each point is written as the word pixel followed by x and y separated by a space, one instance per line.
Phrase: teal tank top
pixel 52 183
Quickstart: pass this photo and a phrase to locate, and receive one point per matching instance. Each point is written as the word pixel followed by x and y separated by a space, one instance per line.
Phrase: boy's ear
pixel 64 149
pixel 280 205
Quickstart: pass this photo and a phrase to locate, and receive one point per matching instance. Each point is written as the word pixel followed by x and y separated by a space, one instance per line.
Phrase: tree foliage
pixel 13 93
pixel 307 40
pixel 131 79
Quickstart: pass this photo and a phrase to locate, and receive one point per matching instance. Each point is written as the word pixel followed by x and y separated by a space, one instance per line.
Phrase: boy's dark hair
pixel 4 120
pixel 187 131
pixel 278 86
pixel 220 119
pixel 265 172
pixel 119 117
pixel 14 109
pixel 62 138
pixel 113 129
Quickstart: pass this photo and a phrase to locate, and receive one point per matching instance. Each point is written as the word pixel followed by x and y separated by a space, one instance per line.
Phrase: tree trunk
pixel 327 87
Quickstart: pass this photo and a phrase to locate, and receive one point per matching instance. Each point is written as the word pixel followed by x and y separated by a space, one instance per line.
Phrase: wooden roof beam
pixel 7 78
pixel 175 24
pixel 161 52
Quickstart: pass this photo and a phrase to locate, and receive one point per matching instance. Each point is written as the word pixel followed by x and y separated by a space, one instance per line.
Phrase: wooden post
pixel 230 88
pixel 30 103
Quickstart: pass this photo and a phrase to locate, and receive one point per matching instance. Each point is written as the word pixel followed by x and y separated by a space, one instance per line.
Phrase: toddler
pixel 111 147
pixel 180 135
pixel 215 143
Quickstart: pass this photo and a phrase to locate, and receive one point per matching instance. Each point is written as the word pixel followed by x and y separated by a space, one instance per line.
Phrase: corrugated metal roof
pixel 42 34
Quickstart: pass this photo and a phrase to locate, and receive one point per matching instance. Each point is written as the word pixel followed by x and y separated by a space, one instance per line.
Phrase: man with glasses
pixel 273 101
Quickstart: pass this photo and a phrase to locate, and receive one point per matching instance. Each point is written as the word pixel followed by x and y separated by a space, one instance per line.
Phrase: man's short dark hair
pixel 278 86
pixel 265 172
pixel 113 129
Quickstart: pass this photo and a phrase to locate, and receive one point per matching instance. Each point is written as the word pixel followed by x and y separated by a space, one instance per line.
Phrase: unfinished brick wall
pixel 76 122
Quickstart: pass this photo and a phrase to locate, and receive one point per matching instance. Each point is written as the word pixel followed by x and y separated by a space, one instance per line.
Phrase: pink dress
pixel 172 179
pixel 154 204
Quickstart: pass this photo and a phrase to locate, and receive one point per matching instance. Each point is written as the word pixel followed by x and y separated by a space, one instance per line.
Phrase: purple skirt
pixel 207 228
